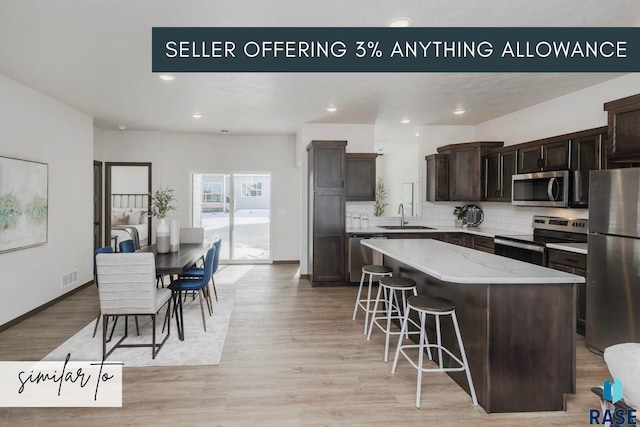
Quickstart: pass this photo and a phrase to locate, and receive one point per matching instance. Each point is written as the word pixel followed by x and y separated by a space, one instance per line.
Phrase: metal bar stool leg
pixel 355 309
pixel 464 359
pixel 366 312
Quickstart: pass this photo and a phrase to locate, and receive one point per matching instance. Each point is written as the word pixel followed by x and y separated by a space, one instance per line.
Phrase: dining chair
pixel 127 287
pixel 198 284
pixel 104 250
pixel 127 246
pixel 199 272
pixel 108 250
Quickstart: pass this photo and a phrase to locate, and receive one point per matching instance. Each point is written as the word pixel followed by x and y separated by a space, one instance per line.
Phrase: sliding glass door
pixel 235 207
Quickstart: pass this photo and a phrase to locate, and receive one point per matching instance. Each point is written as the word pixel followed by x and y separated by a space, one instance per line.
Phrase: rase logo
pixel 612 392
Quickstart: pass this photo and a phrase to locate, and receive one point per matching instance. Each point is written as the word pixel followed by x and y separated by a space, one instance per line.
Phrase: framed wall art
pixel 24 204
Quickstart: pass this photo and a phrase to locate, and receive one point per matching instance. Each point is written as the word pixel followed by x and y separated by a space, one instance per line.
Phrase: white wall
pixel 569 113
pixel 36 127
pixel 175 156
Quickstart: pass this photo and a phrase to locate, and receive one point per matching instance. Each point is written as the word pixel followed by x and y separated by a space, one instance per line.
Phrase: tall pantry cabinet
pixel 326 207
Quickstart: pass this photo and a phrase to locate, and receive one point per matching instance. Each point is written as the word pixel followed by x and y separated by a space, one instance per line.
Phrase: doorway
pixel 97 204
pixel 235 207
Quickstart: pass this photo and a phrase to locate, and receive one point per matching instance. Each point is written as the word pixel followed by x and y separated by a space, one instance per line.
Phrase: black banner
pixel 220 49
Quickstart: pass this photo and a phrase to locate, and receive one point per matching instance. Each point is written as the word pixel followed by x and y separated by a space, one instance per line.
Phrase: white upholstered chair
pixel 127 287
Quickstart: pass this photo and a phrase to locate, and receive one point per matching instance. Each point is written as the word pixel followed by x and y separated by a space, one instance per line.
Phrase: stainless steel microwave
pixel 550 189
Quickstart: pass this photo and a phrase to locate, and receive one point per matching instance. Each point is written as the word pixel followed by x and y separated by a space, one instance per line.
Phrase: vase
pixel 459 222
pixel 162 237
pixel 174 235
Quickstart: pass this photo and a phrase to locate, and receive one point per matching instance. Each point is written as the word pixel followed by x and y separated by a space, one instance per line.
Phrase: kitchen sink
pixel 405 227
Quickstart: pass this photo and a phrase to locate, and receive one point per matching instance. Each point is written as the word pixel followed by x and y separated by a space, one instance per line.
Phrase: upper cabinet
pixel 499 166
pixel 587 153
pixel 624 129
pixel 545 155
pixel 361 176
pixel 462 169
pixel 437 177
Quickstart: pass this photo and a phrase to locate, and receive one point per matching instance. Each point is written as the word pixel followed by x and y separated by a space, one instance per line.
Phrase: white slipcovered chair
pixel 127 287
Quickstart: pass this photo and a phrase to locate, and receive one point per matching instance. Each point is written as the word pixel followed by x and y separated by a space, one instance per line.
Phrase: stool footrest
pixel 438 369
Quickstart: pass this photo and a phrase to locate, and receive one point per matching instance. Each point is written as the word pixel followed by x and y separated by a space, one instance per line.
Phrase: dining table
pixel 175 263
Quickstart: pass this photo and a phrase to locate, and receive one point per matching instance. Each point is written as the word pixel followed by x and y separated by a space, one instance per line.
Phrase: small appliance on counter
pixel 475 216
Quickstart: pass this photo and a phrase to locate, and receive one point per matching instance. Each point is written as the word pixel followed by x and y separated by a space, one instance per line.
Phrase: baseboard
pixel 292 261
pixel 44 306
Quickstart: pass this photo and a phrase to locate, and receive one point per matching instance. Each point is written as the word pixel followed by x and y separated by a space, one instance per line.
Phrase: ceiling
pixel 95 55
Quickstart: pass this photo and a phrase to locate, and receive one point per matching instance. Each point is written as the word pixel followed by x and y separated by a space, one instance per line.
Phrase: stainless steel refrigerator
pixel 613 271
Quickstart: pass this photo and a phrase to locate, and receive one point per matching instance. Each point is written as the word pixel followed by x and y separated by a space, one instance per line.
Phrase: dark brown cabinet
pixel 437 177
pixel 361 176
pixel 327 172
pixel 587 153
pixel 484 244
pixel 574 263
pixel 498 169
pixel 543 156
pixel 624 129
pixel 465 178
pixel 459 239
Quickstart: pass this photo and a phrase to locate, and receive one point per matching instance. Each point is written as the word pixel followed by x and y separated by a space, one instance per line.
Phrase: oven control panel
pixel 572 225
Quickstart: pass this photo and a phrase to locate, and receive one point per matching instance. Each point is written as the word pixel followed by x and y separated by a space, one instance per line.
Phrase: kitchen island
pixel 517 320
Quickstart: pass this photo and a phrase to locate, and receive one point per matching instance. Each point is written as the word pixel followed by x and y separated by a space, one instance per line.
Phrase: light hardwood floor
pixel 292 356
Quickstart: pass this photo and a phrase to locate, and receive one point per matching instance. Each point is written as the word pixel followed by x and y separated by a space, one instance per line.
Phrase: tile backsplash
pixel 503 216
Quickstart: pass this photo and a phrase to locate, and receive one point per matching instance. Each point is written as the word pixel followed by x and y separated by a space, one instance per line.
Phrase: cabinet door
pixel 507 170
pixel 437 177
pixel 483 243
pixel 361 177
pixel 624 129
pixel 492 177
pixel 556 155
pixel 585 157
pixel 529 159
pixel 465 174
pixel 328 258
pixel 329 167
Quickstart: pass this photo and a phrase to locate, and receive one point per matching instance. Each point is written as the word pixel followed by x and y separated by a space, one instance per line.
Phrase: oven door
pixel 521 251
pixel 541 189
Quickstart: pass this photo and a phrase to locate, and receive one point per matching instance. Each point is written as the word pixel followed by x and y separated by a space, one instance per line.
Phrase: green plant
pixel 460 212
pixel 161 203
pixel 381 197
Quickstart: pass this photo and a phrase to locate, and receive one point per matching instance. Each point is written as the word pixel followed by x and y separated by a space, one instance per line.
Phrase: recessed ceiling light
pixel 405 121
pixel 459 111
pixel 166 77
pixel 417 133
pixel 332 109
pixel 399 22
pixel 122 127
pixel 196 116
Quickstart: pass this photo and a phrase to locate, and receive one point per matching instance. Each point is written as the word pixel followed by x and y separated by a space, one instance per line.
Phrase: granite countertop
pixel 457 264
pixel 480 231
pixel 579 248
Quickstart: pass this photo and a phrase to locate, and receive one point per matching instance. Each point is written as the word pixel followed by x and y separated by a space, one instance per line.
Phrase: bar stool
pixel 392 290
pixel 424 305
pixel 371 270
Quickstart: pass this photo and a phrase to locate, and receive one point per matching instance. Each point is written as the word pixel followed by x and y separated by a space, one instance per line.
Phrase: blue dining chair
pixel 199 272
pixel 127 246
pixel 197 284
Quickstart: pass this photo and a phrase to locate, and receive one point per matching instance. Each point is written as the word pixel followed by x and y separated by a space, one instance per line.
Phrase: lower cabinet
pixel 484 244
pixel 573 263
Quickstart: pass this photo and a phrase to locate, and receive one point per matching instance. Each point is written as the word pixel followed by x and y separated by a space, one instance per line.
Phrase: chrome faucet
pixel 401 212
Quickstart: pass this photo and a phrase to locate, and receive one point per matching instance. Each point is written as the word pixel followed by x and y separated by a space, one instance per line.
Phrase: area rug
pixel 198 348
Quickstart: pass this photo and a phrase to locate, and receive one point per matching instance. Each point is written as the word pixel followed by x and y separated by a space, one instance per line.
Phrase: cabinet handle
pixel 540 163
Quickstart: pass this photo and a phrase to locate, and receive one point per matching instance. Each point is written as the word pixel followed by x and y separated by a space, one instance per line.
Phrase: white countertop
pixel 457 264
pixel 579 248
pixel 480 231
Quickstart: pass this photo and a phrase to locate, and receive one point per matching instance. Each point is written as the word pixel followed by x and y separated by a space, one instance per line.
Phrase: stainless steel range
pixel 546 229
